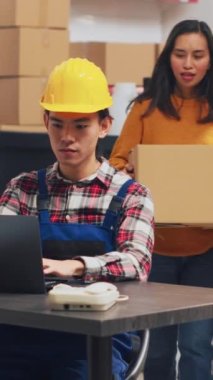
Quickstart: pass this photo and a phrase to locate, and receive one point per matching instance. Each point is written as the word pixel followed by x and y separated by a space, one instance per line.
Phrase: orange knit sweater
pixel 158 129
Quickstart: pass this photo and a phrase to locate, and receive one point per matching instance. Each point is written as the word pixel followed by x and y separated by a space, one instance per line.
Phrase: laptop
pixel 21 257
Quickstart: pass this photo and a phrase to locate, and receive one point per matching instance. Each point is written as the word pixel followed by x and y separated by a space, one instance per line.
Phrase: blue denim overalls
pixel 65 240
pixel 45 352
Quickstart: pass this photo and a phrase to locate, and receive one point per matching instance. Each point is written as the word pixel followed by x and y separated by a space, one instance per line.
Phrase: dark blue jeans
pixel 193 339
pixel 30 354
pixel 39 370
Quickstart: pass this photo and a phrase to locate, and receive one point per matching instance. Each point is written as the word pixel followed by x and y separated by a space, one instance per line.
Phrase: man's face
pixel 73 138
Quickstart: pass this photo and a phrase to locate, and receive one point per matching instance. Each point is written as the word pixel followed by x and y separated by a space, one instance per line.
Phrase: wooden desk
pixel 150 305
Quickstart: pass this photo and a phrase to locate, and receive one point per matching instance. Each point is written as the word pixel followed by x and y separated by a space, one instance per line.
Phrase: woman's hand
pixel 129 169
pixel 63 268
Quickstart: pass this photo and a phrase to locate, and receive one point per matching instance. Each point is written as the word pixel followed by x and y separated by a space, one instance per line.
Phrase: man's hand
pixel 63 268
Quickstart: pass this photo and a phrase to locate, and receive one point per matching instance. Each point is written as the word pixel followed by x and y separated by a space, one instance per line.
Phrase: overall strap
pixel 113 212
pixel 42 199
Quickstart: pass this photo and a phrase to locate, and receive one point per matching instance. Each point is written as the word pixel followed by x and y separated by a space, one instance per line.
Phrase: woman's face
pixel 190 60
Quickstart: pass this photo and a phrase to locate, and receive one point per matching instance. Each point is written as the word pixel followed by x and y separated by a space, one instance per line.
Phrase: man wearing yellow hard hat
pixel 96 222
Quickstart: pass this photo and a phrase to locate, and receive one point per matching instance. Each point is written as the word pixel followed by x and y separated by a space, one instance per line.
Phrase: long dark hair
pixel 162 82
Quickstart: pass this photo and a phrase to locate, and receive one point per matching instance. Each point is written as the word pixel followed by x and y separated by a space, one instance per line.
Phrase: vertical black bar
pixel 99 351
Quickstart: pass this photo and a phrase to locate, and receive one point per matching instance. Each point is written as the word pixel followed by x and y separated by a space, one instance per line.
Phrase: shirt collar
pixel 103 175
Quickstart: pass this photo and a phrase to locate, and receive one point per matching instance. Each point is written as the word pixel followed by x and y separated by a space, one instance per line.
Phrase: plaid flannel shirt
pixel 86 201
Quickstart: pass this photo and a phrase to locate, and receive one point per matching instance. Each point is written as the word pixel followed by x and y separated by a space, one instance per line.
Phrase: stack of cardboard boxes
pixel 33 39
pixel 121 62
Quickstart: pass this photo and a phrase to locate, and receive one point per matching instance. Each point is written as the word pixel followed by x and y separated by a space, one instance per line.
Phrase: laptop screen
pixel 20 255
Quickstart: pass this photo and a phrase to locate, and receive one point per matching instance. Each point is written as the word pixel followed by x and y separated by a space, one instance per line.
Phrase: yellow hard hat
pixel 76 85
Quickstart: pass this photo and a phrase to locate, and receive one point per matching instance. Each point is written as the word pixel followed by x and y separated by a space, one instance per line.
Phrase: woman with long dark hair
pixel 177 108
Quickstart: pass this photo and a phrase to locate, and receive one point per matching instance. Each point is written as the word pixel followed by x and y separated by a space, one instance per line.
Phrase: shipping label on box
pixel 181 182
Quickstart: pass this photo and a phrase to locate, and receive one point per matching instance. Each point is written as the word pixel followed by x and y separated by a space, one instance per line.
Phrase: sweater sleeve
pixel 131 135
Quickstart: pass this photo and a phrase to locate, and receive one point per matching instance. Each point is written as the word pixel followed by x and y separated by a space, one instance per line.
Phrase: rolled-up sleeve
pixel 134 242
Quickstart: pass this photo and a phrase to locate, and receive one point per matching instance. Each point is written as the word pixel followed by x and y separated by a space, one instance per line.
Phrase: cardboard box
pixel 19 101
pixel 181 182
pixel 94 51
pixel 159 48
pixel 121 62
pixel 35 13
pixel 23 128
pixel 32 52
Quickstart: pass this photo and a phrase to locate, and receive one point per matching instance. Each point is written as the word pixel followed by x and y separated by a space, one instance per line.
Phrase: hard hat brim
pixel 81 108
